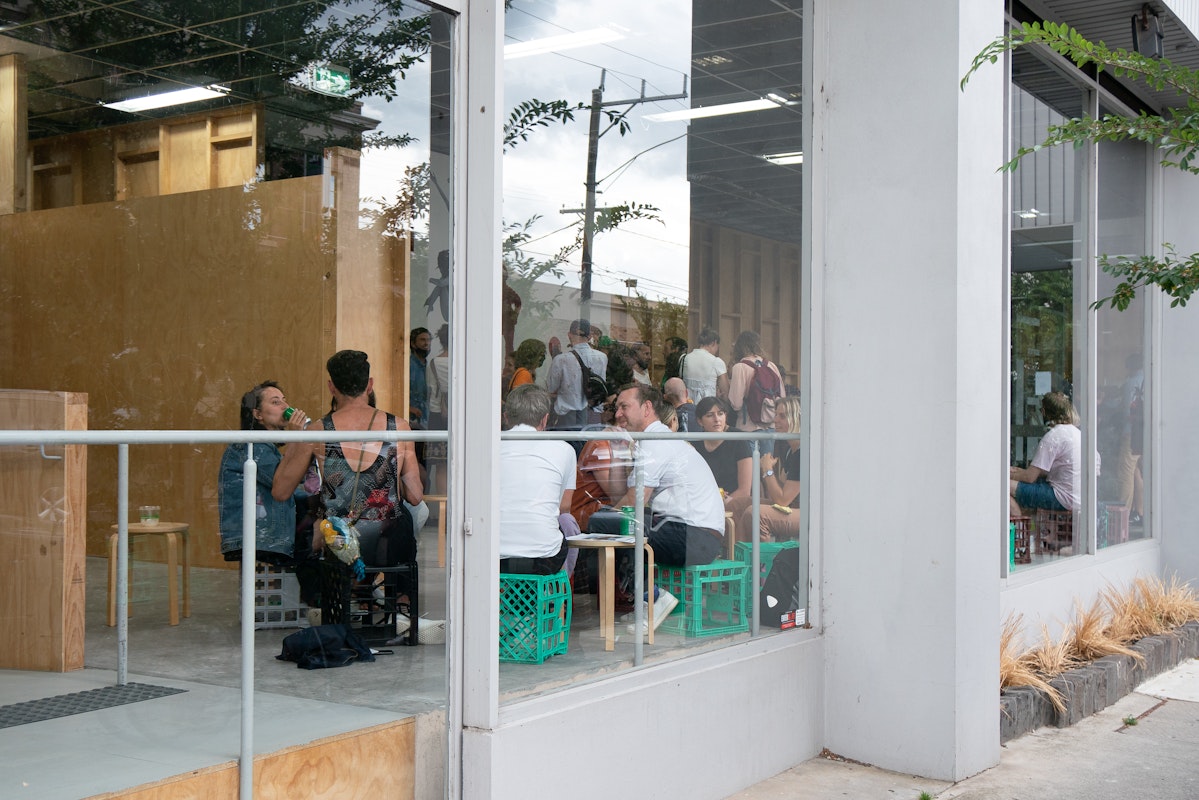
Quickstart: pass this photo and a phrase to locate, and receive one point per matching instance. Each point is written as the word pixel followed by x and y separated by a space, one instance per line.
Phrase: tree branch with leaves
pixel 1175 132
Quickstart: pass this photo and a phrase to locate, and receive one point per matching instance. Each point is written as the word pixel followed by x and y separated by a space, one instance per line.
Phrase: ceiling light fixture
pixel 176 97
pixel 556 44
pixel 785 159
pixel 771 100
pixel 1030 213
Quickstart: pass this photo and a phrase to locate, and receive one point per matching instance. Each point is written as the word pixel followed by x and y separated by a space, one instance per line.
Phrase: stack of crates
pixel 1020 551
pixel 534 616
pixel 277 599
pixel 713 598
pixel 766 553
pixel 1113 524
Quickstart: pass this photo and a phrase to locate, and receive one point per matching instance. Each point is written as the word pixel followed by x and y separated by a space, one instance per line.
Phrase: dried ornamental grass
pixel 1051 658
pixel 1014 667
pixel 1087 638
pixel 1129 621
pixel 1180 603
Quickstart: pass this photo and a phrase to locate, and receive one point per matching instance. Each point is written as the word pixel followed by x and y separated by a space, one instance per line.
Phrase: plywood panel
pixel 185 152
pixel 14 175
pixel 370 764
pixel 42 537
pixel 165 310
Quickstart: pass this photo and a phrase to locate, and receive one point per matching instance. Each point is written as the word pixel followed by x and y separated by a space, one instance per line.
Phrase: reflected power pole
pixel 597 104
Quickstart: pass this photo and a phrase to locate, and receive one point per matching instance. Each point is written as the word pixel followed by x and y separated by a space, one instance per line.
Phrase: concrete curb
pixel 1096 686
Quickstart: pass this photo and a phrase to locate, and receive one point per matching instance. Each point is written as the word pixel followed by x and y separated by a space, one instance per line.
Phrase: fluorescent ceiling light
pixel 555 44
pixel 1031 213
pixel 770 101
pixel 164 99
pixel 784 159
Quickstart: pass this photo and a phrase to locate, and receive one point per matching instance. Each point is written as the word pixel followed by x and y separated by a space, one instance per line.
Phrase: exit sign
pixel 326 79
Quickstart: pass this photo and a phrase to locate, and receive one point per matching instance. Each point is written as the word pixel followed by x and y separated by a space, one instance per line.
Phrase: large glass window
pixel 652 177
pixel 1048 246
pixel 1054 279
pixel 1122 347
pixel 197 198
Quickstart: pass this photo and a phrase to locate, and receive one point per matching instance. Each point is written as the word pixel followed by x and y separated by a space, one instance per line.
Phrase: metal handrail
pixel 122 440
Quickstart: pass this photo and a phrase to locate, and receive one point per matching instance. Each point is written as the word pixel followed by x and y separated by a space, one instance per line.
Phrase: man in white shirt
pixel 537 481
pixel 688 513
pixel 703 371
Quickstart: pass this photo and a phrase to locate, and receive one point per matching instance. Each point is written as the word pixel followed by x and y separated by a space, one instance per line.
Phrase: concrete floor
pixel 128 745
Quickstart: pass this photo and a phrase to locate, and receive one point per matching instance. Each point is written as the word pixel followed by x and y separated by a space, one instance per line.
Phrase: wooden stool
pixel 172 531
pixel 439 499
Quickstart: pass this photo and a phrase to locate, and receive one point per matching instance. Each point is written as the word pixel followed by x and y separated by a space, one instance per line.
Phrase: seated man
pixel 687 524
pixel 537 480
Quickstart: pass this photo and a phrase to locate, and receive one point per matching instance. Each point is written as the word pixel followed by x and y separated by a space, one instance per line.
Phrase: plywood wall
pixel 740 281
pixel 164 310
pixel 42 515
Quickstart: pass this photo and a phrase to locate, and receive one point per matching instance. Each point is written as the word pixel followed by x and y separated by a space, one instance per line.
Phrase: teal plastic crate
pixel 535 615
pixel 713 598
pixel 766 553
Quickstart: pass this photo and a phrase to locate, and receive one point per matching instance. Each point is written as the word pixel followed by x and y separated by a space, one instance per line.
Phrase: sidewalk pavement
pixel 1099 758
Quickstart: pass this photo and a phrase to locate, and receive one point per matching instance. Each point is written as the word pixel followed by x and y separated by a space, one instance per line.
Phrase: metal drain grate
pixel 64 705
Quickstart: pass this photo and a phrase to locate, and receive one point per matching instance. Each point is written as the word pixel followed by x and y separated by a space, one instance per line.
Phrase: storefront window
pixel 201 197
pixel 652 175
pixel 1122 347
pixel 1048 199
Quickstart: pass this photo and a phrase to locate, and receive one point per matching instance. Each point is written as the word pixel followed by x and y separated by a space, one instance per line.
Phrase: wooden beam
pixel 14 135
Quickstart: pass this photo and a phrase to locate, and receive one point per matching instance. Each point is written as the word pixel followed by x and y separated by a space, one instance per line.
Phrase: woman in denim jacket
pixel 261 409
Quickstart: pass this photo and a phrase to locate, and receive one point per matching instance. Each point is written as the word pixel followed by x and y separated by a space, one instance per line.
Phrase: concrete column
pixel 908 476
pixel 1176 441
pixel 14 135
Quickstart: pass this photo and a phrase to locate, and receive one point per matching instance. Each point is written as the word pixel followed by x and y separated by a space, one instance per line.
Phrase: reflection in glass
pixel 652 167
pixel 1047 251
pixel 1122 347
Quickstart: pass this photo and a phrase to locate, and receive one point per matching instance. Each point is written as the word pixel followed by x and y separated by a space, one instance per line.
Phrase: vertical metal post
pixel 638 557
pixel 249 548
pixel 755 562
pixel 122 564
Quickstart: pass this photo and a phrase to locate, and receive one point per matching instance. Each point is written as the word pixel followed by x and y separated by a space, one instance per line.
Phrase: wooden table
pixel 607 584
pixel 173 531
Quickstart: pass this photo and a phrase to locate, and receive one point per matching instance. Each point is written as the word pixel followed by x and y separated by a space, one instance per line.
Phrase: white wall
pixel 911 367
pixel 1178 474
pixel 701 728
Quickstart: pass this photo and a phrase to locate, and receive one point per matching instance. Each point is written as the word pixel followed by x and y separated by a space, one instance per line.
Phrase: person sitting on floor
pixel 537 482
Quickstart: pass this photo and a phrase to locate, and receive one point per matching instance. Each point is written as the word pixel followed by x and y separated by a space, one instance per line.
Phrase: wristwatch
pixel 768 473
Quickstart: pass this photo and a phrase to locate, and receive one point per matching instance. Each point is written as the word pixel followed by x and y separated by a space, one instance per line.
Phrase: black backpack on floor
pixel 780 590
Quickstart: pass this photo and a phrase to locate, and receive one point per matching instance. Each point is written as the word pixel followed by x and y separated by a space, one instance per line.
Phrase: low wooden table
pixel 173 531
pixel 607 584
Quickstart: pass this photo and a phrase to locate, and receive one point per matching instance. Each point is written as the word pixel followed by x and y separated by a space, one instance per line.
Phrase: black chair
pixel 374 617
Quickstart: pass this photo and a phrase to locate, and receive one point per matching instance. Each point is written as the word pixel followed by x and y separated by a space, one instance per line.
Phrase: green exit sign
pixel 328 79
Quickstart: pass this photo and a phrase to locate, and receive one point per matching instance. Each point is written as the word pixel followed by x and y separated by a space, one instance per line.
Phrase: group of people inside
pixel 375 486
pixel 549 490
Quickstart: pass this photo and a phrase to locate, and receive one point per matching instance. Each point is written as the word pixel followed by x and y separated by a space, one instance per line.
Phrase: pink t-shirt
pixel 1058 454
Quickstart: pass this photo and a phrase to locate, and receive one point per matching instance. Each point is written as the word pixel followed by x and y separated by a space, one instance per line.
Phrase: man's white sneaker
pixel 662 608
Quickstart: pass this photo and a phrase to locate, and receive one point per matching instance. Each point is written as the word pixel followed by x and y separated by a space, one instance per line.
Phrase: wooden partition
pixel 42 513
pixel 164 310
pixel 742 281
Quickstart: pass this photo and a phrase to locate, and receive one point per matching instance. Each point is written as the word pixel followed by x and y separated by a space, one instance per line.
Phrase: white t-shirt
pixel 1058 454
pixel 682 482
pixel 437 378
pixel 701 370
pixel 533 476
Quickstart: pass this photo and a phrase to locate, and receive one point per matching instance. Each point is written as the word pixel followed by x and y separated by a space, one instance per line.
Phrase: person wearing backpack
pixel 755 386
pixel 576 380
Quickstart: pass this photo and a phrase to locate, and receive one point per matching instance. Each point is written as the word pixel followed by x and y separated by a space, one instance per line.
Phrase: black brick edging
pixel 1096 686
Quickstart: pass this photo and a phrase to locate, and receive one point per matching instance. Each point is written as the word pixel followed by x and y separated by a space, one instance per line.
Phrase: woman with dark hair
pixel 275 529
pixel 730 462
